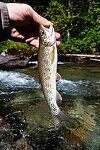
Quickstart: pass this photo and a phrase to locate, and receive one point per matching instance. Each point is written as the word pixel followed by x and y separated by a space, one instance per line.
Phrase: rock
pixel 22 144
pixel 1 121
pixel 15 58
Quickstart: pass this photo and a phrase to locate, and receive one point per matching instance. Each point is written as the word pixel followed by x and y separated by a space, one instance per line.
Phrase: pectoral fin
pixel 58 96
pixel 58 76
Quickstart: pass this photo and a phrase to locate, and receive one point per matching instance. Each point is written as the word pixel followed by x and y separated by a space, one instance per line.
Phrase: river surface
pixel 25 119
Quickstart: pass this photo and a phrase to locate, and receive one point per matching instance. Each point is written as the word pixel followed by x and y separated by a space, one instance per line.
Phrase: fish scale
pixel 47 68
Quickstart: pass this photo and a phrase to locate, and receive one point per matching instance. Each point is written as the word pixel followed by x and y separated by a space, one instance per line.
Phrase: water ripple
pixel 11 79
pixel 80 87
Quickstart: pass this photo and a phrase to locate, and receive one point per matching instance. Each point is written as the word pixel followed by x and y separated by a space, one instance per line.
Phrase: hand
pixel 24 24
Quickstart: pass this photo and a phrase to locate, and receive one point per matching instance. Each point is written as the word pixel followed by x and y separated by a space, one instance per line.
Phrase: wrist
pixel 4 24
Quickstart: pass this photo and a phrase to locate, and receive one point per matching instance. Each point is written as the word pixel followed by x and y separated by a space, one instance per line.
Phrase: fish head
pixel 47 35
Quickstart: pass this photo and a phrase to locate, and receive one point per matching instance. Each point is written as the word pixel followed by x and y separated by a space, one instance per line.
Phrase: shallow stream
pixel 25 119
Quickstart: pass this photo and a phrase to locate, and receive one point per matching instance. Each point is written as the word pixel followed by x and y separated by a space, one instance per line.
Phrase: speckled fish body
pixel 47 65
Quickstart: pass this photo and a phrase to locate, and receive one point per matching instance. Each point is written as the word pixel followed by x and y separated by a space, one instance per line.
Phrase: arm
pixel 4 22
pixel 19 22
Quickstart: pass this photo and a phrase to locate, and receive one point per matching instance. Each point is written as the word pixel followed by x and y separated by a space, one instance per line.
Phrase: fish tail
pixel 58 118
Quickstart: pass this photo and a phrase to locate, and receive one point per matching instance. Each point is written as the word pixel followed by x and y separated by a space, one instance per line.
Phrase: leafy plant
pixel 78 22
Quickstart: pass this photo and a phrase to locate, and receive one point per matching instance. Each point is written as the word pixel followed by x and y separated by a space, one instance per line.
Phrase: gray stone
pixel 14 58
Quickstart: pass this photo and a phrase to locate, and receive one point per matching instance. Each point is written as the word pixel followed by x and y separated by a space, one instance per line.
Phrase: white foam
pixel 64 81
pixel 12 78
pixel 79 87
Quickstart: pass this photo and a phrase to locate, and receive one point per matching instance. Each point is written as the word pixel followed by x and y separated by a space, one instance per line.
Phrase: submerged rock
pixel 1 121
pixel 14 58
pixel 22 144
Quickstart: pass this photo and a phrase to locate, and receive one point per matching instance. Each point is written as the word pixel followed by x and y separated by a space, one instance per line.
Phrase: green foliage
pixel 58 14
pixel 88 43
pixel 77 21
pixel 11 44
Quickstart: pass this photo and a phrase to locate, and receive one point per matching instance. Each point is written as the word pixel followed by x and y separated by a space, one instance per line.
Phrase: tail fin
pixel 58 118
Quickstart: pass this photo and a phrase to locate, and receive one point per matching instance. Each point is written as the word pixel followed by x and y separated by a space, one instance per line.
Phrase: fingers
pixel 57 36
pixel 58 43
pixel 15 35
pixel 35 41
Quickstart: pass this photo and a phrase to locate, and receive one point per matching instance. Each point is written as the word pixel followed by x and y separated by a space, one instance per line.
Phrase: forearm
pixel 4 22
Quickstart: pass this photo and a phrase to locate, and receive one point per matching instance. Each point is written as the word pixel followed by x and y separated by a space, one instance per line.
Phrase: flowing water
pixel 25 119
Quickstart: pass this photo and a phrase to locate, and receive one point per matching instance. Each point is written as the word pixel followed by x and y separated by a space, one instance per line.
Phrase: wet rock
pixel 14 58
pixel 48 139
pixel 15 123
pixel 22 144
pixel 1 121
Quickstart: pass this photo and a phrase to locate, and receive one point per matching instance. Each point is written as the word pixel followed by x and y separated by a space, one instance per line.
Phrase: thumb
pixel 44 22
pixel 40 20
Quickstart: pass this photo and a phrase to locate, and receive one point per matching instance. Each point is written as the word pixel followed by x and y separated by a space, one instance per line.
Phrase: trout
pixel 47 67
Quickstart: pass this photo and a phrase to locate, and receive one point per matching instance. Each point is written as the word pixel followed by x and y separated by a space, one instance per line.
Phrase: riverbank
pixel 79 57
pixel 15 58
pixel 74 57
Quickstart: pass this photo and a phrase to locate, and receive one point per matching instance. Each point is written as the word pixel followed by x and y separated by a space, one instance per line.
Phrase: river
pixel 25 119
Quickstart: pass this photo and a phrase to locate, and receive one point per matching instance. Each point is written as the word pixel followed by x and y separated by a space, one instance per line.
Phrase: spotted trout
pixel 47 67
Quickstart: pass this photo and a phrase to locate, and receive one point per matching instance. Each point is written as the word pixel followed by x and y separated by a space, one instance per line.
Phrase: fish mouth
pixel 49 30
pixel 49 37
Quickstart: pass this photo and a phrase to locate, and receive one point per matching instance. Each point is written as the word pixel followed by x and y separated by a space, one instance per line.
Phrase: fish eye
pixel 42 32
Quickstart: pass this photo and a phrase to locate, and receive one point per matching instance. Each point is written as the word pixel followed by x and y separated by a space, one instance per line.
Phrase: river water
pixel 25 119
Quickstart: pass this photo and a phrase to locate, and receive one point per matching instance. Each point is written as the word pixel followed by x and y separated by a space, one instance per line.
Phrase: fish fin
pixel 58 76
pixel 58 96
pixel 58 118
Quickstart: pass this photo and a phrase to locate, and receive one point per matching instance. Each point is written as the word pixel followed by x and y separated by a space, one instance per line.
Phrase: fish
pixel 47 69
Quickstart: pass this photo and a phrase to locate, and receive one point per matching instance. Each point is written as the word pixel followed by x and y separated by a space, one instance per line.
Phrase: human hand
pixel 24 24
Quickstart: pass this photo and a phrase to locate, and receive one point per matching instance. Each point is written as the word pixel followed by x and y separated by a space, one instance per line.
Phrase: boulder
pixel 15 58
